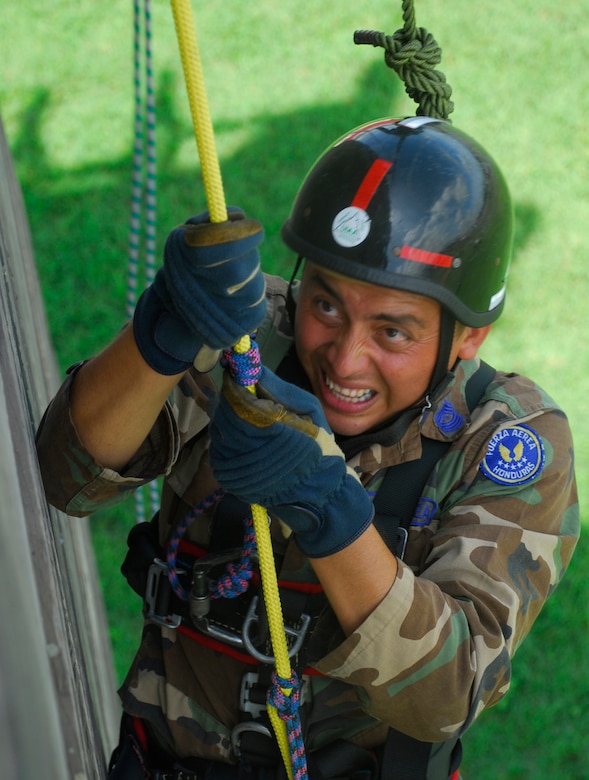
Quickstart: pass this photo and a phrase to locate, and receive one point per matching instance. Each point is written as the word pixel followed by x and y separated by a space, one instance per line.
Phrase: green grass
pixel 284 79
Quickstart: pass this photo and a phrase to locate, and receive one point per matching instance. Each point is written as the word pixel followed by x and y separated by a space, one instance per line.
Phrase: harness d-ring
pixel 298 634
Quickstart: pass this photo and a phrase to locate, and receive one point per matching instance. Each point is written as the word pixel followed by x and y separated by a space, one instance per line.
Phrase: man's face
pixel 368 351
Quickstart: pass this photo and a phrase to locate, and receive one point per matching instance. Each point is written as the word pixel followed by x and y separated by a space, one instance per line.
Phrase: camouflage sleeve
pixel 438 648
pixel 76 484
pixel 72 479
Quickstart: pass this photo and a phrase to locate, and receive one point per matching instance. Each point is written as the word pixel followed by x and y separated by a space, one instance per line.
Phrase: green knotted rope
pixel 414 53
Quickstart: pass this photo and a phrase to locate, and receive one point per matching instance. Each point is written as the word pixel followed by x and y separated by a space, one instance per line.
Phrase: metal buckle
pixel 157 599
pixel 158 594
pixel 402 537
pixel 221 633
pixel 200 599
pixel 249 681
pixel 298 634
pixel 247 726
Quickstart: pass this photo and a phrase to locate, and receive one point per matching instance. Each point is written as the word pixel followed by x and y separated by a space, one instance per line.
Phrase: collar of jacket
pixel 443 417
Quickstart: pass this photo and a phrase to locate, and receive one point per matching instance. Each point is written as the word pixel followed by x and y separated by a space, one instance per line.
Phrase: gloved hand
pixel 276 449
pixel 209 293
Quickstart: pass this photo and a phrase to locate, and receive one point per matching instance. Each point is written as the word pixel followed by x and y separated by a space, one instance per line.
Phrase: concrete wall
pixel 58 710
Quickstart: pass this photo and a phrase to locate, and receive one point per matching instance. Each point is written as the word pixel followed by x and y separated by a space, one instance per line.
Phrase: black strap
pixel 342 760
pixel 405 757
pixel 477 384
pixel 401 488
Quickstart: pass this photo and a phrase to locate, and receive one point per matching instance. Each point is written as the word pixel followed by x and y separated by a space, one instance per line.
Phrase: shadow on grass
pixel 79 218
pixel 527 222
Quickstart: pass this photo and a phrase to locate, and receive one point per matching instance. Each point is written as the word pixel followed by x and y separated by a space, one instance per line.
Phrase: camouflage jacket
pixel 493 535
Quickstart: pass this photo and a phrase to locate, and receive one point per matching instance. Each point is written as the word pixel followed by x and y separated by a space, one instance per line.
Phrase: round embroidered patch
pixel 514 456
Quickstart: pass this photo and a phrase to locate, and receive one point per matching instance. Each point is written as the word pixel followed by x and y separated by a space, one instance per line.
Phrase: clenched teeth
pixel 353 396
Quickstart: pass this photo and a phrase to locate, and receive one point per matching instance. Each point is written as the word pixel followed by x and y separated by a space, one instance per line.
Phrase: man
pixel 411 615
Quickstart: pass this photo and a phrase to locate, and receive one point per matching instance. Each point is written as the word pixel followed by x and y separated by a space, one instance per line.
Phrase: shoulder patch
pixel 424 511
pixel 447 419
pixel 515 455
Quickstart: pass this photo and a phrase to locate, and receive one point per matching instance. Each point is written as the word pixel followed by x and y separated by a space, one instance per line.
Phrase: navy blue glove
pixel 209 293
pixel 275 449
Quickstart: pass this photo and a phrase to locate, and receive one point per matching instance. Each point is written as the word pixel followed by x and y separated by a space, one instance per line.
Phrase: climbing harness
pixel 284 693
pixel 396 506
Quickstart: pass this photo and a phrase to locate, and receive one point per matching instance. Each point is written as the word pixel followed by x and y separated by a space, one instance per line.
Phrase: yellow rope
pixel 272 602
pixel 203 129
pixel 199 108
pixel 268 570
pixel 275 623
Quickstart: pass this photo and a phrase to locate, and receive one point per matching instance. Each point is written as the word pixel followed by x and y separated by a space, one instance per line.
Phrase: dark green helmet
pixel 414 205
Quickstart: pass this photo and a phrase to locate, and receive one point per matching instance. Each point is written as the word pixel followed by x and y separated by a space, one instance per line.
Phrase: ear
pixel 470 341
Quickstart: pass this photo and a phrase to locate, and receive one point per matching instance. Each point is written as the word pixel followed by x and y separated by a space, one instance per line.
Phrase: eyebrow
pixel 394 319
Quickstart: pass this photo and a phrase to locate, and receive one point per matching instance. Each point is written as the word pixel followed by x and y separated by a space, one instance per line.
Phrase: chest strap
pixel 402 486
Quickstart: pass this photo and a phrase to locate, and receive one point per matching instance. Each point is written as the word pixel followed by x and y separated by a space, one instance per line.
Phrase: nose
pixel 348 353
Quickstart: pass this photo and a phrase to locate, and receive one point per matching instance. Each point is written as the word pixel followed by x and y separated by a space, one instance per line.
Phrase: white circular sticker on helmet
pixel 350 227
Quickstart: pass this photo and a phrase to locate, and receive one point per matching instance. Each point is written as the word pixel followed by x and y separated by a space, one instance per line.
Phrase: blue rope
pixel 244 368
pixel 284 694
pixel 287 707
pixel 144 185
pixel 236 578
pixel 143 189
pixel 174 543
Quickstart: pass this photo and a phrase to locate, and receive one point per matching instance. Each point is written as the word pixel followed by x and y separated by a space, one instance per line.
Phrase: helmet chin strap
pixel 290 301
pixel 441 370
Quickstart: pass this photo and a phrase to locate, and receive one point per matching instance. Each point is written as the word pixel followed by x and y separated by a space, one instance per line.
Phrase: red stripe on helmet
pixel 423 256
pixel 370 183
pixel 359 131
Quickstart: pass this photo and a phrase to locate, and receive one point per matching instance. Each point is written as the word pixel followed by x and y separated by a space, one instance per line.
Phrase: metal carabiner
pixel 157 596
pixel 199 599
pixel 238 730
pixel 298 634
